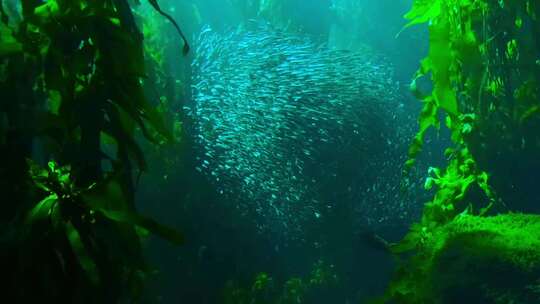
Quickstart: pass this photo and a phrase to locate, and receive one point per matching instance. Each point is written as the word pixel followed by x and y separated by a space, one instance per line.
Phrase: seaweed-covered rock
pixel 474 260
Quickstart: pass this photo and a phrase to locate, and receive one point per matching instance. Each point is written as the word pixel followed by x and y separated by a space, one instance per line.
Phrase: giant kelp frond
pixel 485 84
pixel 72 77
pixel 156 6
pixel 8 44
pixel 75 210
pixel 453 44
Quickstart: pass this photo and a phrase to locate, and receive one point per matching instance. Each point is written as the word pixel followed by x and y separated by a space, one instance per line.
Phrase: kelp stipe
pixel 482 82
pixel 73 84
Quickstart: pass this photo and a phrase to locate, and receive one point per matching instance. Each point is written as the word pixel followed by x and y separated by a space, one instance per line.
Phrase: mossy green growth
pixel 474 259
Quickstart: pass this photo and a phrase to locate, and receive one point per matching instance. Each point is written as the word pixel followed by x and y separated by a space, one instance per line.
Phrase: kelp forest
pixel 270 151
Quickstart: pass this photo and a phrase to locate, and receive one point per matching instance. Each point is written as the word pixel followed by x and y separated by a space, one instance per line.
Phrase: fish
pixel 266 103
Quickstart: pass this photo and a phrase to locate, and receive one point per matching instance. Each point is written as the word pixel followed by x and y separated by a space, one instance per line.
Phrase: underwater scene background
pixel 270 151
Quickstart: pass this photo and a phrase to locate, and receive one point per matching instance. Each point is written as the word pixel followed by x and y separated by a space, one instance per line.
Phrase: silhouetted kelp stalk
pixel 267 106
pixel 72 84
pixel 156 6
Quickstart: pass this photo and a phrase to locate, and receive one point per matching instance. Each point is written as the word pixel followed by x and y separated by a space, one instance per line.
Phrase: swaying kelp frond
pixel 75 210
pixel 484 82
pixel 73 74
pixel 454 63
pixel 155 4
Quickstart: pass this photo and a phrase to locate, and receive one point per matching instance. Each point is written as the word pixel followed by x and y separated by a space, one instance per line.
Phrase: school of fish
pixel 271 110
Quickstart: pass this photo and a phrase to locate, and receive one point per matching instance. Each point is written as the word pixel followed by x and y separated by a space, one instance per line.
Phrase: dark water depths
pixel 351 184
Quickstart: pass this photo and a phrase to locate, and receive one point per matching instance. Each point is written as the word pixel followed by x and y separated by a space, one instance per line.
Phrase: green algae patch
pixel 473 259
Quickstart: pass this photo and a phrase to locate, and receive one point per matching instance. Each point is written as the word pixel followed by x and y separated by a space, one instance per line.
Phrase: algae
pixel 474 259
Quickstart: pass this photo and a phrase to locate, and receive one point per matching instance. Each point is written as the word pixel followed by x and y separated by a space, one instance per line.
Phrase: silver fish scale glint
pixel 265 103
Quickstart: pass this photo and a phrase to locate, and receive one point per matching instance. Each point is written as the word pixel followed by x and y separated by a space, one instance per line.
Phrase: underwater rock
pixel 276 115
pixel 474 260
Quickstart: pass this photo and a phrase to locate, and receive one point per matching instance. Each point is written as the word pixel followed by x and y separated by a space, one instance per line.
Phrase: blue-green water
pixel 300 117
pixel 270 151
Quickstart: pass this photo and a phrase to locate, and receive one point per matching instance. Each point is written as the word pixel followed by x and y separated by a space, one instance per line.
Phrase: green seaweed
pixel 264 289
pixel 72 81
pixel 485 259
pixel 458 251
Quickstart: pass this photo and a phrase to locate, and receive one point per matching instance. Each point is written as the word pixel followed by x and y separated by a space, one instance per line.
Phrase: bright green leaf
pixel 43 209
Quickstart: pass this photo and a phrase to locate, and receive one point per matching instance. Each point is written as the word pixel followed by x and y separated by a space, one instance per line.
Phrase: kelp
pixel 8 44
pixel 165 83
pixel 454 47
pixel 484 85
pixel 265 290
pixel 155 4
pixel 74 74
pixel 69 208
pixel 452 44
